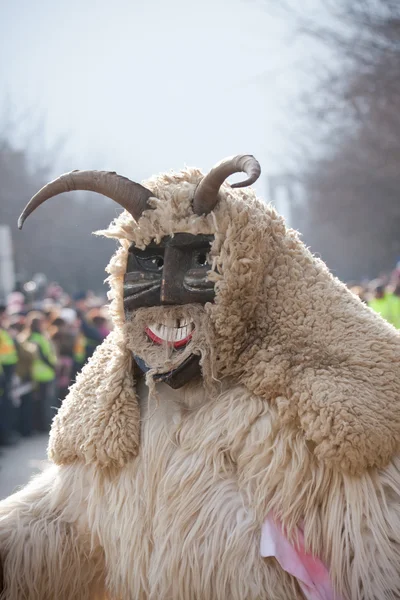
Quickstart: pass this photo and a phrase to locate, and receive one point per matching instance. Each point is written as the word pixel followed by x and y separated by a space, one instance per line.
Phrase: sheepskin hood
pixel 282 325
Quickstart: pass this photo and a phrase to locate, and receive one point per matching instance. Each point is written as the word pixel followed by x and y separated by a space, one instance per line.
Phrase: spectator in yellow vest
pixel 382 303
pixel 395 309
pixel 387 304
pixel 26 355
pixel 8 362
pixel 43 372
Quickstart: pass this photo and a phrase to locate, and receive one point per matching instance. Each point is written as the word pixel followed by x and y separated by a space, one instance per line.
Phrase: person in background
pixel 4 430
pixel 395 305
pixel 99 321
pixel 63 339
pixel 89 336
pixel 43 371
pixel 383 302
pixel 27 353
pixel 8 362
pixel 359 291
pixel 50 311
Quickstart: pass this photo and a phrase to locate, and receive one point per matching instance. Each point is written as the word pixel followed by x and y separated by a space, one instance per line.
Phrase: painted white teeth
pixel 173 334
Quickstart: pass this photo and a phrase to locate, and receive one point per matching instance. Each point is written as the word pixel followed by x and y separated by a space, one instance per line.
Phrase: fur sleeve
pixel 46 548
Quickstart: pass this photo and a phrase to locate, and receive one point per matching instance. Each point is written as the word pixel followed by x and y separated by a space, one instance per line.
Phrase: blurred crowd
pixel 382 295
pixel 44 343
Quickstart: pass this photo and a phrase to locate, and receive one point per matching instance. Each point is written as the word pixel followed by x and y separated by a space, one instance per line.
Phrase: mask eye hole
pixel 151 263
pixel 201 258
pixel 157 262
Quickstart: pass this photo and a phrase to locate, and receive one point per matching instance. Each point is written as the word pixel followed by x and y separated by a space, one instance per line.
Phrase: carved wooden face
pixel 171 273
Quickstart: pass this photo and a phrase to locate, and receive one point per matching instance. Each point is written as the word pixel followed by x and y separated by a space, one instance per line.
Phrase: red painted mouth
pixel 172 336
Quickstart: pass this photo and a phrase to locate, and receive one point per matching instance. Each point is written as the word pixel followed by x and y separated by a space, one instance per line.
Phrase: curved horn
pixel 130 195
pixel 206 194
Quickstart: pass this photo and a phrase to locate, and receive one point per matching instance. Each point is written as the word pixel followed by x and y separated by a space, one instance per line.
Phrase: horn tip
pixel 21 221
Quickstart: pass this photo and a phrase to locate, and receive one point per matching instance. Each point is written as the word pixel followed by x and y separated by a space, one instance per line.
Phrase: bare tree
pixel 57 240
pixel 352 170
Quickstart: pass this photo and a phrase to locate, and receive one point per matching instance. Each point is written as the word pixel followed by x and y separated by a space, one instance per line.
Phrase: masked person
pixel 236 436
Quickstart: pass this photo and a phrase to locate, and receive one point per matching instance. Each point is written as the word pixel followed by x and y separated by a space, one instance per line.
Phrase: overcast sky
pixel 145 86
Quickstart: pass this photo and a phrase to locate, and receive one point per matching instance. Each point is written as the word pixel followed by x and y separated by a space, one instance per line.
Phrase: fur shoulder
pixel 99 420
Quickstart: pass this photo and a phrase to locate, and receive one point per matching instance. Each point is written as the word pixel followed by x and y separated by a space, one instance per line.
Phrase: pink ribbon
pixel 310 571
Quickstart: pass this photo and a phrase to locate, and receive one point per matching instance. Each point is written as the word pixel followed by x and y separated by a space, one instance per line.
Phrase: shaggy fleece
pixel 47 551
pixel 183 520
pixel 168 500
pixel 281 324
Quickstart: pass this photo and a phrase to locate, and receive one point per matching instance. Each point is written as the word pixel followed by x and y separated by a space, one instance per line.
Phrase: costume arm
pixel 46 548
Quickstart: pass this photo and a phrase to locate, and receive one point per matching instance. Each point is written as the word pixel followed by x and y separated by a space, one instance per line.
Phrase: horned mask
pixel 209 279
pixel 168 272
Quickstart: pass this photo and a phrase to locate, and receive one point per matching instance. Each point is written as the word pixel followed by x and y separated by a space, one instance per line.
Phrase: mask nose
pixel 176 263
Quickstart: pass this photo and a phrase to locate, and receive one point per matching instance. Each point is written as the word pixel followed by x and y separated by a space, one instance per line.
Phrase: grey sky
pixel 150 85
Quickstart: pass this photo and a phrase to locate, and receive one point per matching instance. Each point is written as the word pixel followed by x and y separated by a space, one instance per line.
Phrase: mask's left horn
pixel 130 195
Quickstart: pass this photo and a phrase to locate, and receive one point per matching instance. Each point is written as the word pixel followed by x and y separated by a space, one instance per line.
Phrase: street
pixel 18 463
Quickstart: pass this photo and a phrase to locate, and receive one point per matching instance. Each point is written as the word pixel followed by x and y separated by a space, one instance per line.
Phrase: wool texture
pixel 107 429
pixel 281 324
pixel 46 547
pixel 297 414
